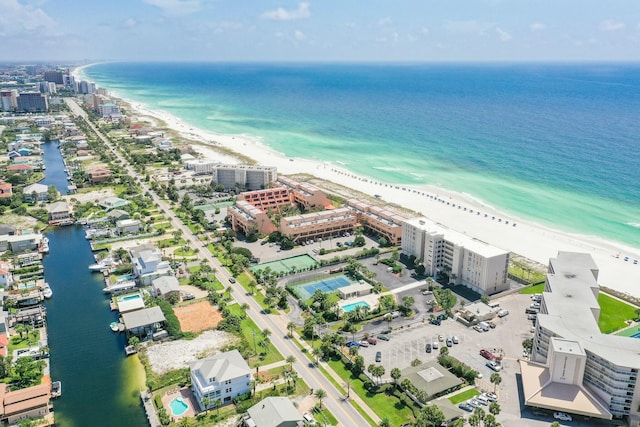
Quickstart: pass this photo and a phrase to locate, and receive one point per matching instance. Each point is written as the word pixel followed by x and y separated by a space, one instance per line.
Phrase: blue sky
pixel 320 30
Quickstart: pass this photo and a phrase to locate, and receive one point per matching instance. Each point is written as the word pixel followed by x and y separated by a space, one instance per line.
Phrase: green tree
pixel 430 416
pixel 206 402
pixel 290 327
pixel 490 421
pixel 52 193
pixel 494 408
pixel 395 373
pixel 217 403
pixel 291 360
pixel 320 394
pixel 384 423
pixel 495 379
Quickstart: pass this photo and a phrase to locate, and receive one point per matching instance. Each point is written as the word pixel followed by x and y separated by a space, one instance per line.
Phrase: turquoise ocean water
pixel 556 144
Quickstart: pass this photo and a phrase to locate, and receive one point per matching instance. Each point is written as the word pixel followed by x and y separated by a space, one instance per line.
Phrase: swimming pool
pixel 636 335
pixel 178 406
pixel 27 286
pixel 125 278
pixel 129 297
pixel 350 307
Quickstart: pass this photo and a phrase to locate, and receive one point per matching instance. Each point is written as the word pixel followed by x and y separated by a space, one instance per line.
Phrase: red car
pixel 487 354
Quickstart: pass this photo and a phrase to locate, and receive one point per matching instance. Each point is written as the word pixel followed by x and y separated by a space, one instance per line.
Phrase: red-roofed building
pixel 6 189
pixel 31 402
pixel 23 169
pixel 99 174
pixel 4 343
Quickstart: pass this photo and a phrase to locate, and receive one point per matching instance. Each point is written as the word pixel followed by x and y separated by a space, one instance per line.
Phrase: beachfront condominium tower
pixel 31 102
pixel 574 367
pixel 466 261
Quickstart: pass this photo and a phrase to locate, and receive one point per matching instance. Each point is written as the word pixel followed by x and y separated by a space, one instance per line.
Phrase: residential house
pixel 6 189
pixel 99 174
pixel 20 243
pixel 23 169
pixel 162 144
pixel 59 212
pixel 144 323
pixel 148 264
pixel 118 214
pixel 113 203
pixel 7 229
pixel 31 402
pixel 222 377
pixel 165 286
pixel 40 191
pixel 275 411
pixel 127 226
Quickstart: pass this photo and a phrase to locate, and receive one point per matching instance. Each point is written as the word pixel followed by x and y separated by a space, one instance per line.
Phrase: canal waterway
pixel 100 386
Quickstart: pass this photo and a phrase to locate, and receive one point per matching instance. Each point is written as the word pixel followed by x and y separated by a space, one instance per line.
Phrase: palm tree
pixel 206 402
pixel 384 423
pixel 228 292
pixel 320 394
pixel 291 360
pixel 495 379
pixel 396 374
pixel 245 307
pixel 252 286
pixel 290 327
pixel 217 403
pixel 266 332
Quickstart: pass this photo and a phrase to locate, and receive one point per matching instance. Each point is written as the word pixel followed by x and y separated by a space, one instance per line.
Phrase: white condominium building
pixel 249 177
pixel 468 261
pixel 574 367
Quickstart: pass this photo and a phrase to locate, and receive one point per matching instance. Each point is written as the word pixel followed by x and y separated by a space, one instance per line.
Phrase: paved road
pixel 343 411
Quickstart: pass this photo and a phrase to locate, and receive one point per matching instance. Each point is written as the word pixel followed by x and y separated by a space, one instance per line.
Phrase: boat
pixel 44 245
pixel 129 350
pixel 56 389
pixel 102 265
pixel 46 291
pixel 114 326
pixel 120 286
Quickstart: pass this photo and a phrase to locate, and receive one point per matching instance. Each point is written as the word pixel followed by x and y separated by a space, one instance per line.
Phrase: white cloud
pixel 129 23
pixel 299 35
pixel 504 36
pixel 18 19
pixel 611 25
pixel 176 7
pixel 280 14
pixel 537 26
pixel 385 21
pixel 424 30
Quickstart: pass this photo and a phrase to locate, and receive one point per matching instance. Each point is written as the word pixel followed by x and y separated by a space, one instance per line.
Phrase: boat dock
pixel 149 409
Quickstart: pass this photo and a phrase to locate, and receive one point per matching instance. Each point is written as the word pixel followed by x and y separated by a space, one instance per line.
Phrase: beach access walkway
pixel 149 409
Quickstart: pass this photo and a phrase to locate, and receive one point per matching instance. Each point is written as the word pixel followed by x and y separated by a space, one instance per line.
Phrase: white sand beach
pixel 526 238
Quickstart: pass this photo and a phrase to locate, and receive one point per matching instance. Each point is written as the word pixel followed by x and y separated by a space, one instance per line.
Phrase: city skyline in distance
pixel 329 31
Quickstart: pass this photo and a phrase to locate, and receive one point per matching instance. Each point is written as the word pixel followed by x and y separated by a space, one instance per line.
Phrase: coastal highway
pixel 344 412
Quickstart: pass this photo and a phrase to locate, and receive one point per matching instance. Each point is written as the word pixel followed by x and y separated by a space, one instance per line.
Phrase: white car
pixel 562 416
pixel 308 419
pixel 494 366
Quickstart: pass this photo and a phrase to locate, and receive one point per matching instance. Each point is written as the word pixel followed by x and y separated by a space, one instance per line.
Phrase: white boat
pixel 114 326
pixel 44 245
pixel 56 389
pixel 120 286
pixel 46 291
pixel 102 265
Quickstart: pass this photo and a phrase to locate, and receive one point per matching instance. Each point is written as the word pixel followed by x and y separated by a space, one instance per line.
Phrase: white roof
pixel 222 366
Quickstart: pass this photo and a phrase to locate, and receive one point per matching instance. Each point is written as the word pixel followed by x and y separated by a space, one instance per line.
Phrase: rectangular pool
pixel 350 307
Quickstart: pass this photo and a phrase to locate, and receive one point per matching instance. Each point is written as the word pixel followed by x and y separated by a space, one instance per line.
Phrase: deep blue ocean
pixel 557 144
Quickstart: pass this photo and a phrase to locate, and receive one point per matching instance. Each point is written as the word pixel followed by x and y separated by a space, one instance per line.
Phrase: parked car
pixel 363 343
pixel 562 416
pixel 308 419
pixel 449 342
pixel 455 339
pixel 186 296
pixel 482 399
pixel 394 314
pixel 427 348
pixel 465 407
pixel 441 338
pixel 480 402
pixel 372 341
pixel 487 354
pixel 491 324
pixel 434 345
pixel 427 292
pixel 353 344
pixel 478 328
pixel 490 396
pixel 384 337
pixel 494 365
pixel 378 356
pixel 435 322
pixel 503 313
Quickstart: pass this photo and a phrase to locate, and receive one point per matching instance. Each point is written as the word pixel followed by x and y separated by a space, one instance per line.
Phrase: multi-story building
pixel 574 367
pixel 268 199
pixel 314 225
pixel 31 102
pixel 148 264
pixel 246 219
pixel 53 76
pixel 305 195
pixel 107 109
pixel 8 100
pixel 220 377
pixel 379 220
pixel 467 261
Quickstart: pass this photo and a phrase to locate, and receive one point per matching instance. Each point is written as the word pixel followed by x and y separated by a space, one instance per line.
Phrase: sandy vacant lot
pixel 198 317
pixel 177 354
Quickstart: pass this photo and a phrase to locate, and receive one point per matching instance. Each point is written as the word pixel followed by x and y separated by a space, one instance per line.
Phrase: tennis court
pixel 299 262
pixel 326 285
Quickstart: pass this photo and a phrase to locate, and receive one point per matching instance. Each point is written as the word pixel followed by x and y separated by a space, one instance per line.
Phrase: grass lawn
pixel 247 327
pixel 613 313
pixel 384 406
pixel 17 343
pixel 235 309
pixel 462 396
pixel 324 416
pixel 244 280
pixel 537 289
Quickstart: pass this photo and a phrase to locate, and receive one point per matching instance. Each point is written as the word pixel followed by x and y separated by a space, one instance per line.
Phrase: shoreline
pixel 451 209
